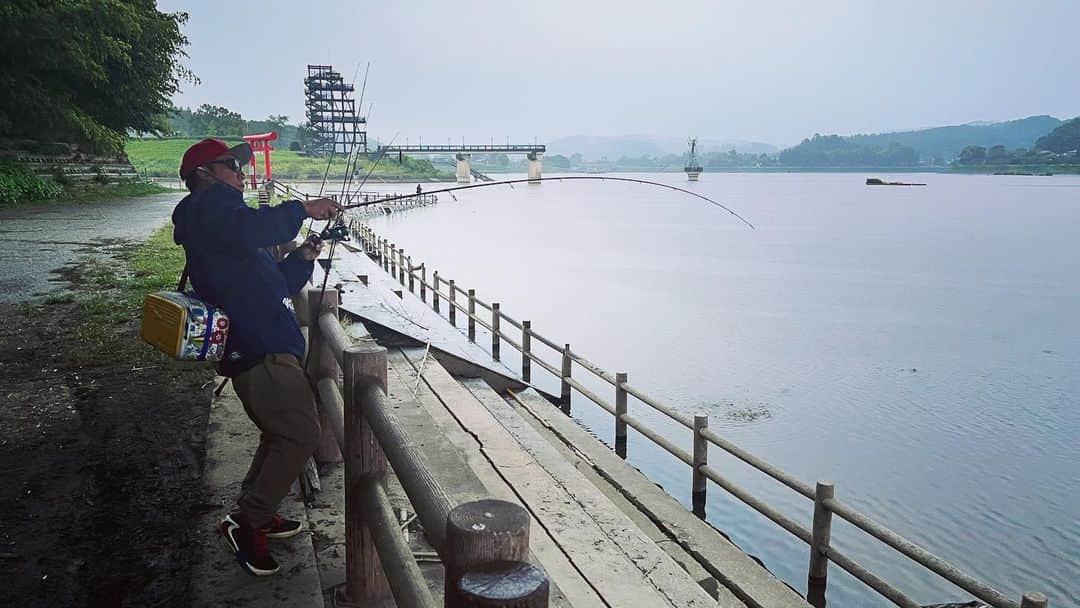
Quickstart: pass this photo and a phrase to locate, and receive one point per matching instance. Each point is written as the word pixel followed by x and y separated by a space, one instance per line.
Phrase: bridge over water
pixel 464 152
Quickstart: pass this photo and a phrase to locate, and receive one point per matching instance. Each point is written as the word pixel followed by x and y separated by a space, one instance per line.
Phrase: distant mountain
pixel 614 147
pixel 947 142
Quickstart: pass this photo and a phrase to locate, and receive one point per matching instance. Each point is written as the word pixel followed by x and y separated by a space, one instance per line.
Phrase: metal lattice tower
pixel 332 113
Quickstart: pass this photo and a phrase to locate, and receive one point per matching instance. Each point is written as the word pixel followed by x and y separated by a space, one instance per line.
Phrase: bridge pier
pixel 535 166
pixel 464 171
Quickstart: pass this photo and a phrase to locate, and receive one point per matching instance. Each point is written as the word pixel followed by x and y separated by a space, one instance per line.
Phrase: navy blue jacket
pixel 223 240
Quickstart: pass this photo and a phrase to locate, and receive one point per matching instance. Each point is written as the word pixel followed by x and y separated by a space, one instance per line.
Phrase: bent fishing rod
pixel 511 182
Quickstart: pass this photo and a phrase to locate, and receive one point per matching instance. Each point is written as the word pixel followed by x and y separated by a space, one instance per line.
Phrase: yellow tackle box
pixel 184 327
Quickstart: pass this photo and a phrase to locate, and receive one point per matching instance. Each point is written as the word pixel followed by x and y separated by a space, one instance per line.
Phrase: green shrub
pixel 19 185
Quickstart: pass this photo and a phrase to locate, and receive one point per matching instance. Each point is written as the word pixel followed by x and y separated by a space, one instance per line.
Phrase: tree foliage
pixel 1065 138
pixel 88 71
pixel 837 151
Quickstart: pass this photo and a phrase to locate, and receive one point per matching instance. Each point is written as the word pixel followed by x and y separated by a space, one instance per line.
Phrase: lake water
pixel 918 346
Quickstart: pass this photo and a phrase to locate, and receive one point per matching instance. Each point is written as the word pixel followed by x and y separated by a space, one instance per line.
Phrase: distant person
pixel 419 190
pixel 223 240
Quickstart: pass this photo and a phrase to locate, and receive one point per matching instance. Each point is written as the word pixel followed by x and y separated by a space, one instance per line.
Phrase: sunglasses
pixel 231 163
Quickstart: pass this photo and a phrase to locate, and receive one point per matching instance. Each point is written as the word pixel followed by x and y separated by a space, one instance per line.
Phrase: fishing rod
pixel 339 231
pixel 560 178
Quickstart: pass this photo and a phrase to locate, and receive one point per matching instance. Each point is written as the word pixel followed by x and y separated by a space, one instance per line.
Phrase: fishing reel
pixel 338 231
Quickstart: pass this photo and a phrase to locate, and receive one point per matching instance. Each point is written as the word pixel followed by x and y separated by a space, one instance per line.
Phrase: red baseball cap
pixel 209 149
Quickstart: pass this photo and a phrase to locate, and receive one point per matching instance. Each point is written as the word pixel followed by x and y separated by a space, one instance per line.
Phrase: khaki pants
pixel 278 399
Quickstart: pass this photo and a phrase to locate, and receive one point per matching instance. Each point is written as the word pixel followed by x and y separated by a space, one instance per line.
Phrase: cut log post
pixel 701 458
pixel 423 283
pixel 620 411
pixel 329 450
pixel 365 367
pixel 401 266
pixel 482 532
pixel 526 350
pixel 472 315
pixel 453 304
pixel 564 392
pixel 504 584
pixel 319 302
pixel 393 260
pixel 435 291
pixel 412 276
pixel 495 341
pixel 1033 600
pixel 821 533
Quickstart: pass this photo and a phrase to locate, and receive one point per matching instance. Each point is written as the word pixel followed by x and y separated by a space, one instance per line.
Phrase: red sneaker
pixel 249 546
pixel 277 527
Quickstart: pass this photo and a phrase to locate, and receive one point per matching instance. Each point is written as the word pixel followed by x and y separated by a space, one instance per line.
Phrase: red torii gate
pixel 261 143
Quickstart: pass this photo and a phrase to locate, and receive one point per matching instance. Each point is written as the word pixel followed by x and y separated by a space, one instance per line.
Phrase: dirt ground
pixel 101 455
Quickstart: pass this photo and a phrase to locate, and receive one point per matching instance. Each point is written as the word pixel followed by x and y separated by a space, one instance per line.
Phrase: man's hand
pixel 322 208
pixel 312 246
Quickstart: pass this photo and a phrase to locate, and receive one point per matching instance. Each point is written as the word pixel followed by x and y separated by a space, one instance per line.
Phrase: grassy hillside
pixel 161 158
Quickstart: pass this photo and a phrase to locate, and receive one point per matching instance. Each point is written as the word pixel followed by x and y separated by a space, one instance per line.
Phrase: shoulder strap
pixel 183 280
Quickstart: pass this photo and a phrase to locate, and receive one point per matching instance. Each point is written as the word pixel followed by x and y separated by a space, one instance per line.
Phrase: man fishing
pixel 223 242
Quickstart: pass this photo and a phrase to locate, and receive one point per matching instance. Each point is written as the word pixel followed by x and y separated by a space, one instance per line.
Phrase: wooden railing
pixel 825 504
pixel 484 545
pixel 352 198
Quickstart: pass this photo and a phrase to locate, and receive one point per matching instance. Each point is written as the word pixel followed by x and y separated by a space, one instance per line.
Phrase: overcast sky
pixel 773 72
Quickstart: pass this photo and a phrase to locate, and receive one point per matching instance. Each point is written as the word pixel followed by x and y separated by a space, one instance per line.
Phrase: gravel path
pixel 37 241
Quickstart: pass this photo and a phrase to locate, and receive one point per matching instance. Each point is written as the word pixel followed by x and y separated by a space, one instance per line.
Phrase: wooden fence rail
pixel 824 506
pixel 350 381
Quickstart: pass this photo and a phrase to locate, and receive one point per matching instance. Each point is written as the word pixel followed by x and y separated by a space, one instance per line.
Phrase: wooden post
pixel 365 367
pixel 481 532
pixel 412 277
pixel 401 266
pixel 423 283
pixel 701 458
pixel 495 341
pixel 472 315
pixel 393 260
pixel 453 305
pixel 819 543
pixel 526 350
pixel 504 584
pixel 435 291
pixel 620 411
pixel 321 364
pixel 1033 600
pixel 564 393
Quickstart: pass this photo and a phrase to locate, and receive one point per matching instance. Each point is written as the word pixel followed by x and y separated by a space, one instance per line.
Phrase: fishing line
pixel 561 178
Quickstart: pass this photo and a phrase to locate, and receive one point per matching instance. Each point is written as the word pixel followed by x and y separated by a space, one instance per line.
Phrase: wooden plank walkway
pixel 603 547
pixel 605 534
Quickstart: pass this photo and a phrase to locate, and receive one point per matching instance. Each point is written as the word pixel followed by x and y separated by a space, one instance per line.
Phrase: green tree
pixel 557 161
pixel 1065 138
pixel 217 121
pixel 972 155
pixel 88 71
pixel 997 154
